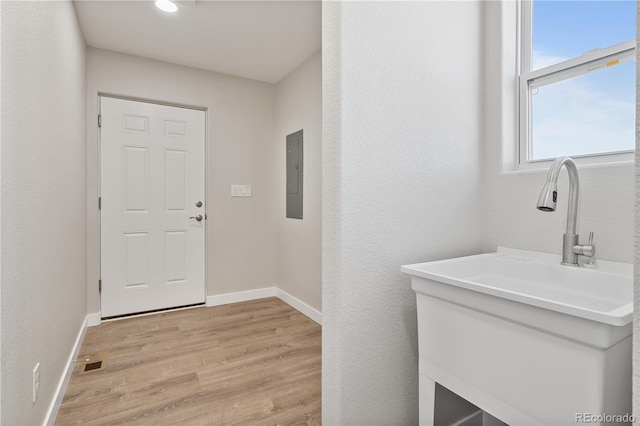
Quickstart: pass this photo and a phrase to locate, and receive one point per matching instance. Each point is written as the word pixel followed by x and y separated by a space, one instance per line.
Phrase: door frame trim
pixel 149 101
pixel 99 176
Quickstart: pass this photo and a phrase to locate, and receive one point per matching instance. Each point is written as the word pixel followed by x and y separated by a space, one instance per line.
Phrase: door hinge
pixel 99 286
pixel 99 203
pixel 99 120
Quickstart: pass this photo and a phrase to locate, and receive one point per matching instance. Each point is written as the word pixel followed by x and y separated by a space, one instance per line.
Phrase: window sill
pixel 596 161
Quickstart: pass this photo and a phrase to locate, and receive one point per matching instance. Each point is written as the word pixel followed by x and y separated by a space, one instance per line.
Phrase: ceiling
pixel 261 40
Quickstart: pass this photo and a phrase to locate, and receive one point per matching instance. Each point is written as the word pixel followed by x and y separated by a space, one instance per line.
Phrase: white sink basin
pixel 524 338
pixel 603 294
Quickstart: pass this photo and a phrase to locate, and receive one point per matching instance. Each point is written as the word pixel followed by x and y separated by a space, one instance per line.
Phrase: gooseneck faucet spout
pixel 549 195
pixel 547 203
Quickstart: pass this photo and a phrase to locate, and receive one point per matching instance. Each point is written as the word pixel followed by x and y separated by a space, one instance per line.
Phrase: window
pixel 577 79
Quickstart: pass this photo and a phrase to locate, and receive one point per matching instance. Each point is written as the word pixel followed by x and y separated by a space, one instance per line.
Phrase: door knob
pixel 196 217
pixel 199 204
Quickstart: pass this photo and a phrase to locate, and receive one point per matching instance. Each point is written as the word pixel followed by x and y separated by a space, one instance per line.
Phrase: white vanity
pixel 526 339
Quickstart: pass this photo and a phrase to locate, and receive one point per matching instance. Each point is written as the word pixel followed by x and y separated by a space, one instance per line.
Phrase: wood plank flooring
pixel 249 363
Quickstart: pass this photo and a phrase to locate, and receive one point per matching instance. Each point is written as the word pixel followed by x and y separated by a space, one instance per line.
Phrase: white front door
pixel 152 206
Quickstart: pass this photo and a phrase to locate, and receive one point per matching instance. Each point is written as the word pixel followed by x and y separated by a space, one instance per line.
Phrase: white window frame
pixel 527 80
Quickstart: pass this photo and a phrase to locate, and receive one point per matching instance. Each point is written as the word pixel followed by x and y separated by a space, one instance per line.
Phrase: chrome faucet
pixel 547 203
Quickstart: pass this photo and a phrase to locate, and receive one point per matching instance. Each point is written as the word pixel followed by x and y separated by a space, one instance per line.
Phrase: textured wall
pixel 43 201
pixel 401 184
pixel 636 293
pixel 510 215
pixel 241 232
pixel 298 105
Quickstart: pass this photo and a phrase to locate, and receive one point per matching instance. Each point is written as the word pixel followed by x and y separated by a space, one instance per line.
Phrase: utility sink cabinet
pixel 527 340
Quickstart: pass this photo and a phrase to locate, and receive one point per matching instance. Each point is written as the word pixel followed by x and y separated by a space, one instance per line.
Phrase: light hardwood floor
pixel 249 363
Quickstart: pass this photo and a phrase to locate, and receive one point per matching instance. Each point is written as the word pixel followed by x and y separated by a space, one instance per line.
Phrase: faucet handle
pixel 588 249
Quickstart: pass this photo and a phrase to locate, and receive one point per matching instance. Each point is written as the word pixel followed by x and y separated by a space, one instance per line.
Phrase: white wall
pixel 510 215
pixel 636 293
pixel 43 200
pixel 401 184
pixel 241 232
pixel 298 105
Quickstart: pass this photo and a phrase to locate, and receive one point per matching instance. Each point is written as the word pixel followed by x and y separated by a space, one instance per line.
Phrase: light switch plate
pixel 241 190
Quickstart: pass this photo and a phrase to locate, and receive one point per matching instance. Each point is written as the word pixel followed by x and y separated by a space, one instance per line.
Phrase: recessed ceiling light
pixel 166 6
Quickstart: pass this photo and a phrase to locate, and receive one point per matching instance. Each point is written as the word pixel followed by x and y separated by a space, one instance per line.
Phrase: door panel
pixel 135 179
pixel 136 259
pixel 175 255
pixel 152 176
pixel 175 180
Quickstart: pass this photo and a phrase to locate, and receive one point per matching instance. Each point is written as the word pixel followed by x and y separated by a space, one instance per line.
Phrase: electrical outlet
pixel 36 382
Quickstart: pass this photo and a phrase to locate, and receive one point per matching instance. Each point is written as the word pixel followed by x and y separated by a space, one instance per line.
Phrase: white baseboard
pixel 66 376
pixel 241 296
pixel 94 319
pixel 299 305
pixel 261 293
